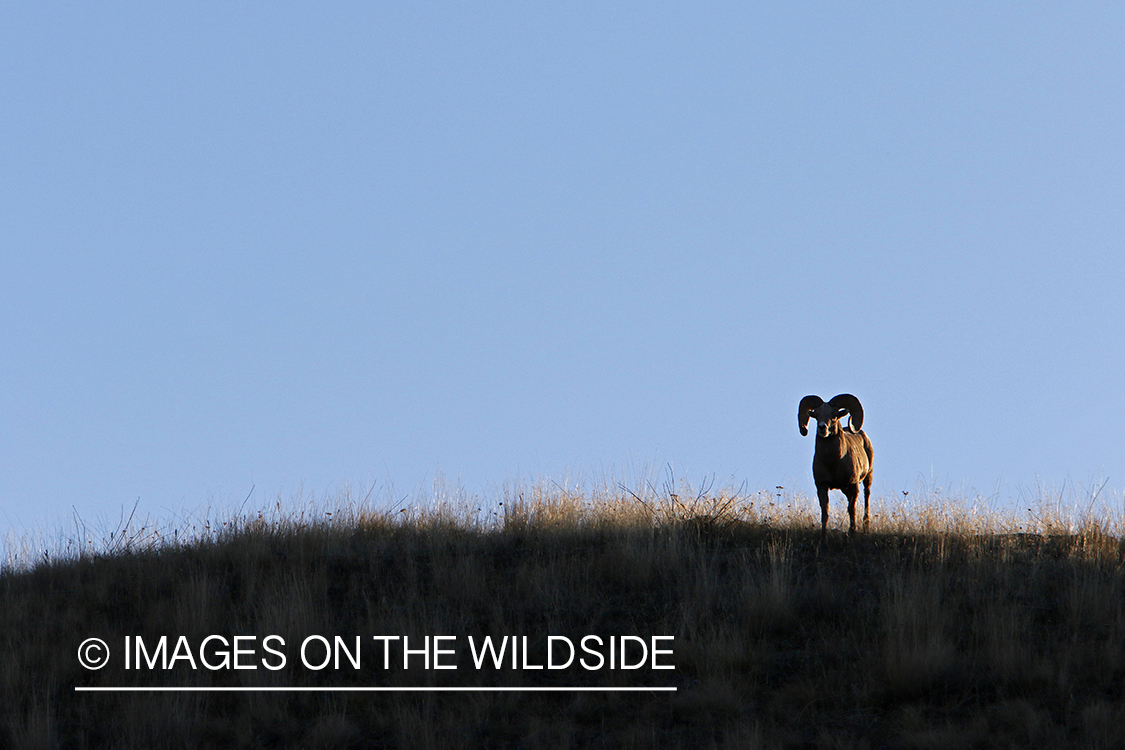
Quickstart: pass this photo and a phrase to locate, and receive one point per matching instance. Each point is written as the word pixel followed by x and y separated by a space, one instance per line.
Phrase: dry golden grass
pixel 945 626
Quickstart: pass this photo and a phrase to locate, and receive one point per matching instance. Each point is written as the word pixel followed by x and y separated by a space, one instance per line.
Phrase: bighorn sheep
pixel 843 455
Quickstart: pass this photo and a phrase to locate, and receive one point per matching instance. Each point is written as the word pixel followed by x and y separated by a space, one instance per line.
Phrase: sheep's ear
pixel 851 404
pixel 805 410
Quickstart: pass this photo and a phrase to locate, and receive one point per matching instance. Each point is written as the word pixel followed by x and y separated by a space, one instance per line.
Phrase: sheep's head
pixel 828 414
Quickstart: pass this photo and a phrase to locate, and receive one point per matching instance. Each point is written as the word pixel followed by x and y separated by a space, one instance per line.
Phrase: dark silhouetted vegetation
pixel 941 628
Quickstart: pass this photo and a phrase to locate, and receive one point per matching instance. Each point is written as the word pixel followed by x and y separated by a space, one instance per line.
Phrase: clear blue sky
pixel 273 244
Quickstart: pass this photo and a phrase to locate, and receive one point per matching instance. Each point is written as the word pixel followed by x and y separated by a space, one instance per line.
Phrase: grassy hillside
pixel 941 628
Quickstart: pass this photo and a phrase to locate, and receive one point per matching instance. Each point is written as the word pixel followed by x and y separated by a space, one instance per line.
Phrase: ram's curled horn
pixel 805 409
pixel 851 403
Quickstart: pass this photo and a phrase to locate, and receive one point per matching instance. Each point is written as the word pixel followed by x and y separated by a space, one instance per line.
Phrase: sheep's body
pixel 843 456
pixel 841 462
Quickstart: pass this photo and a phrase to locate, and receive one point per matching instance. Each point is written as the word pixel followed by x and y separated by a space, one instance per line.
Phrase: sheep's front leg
pixel 852 493
pixel 822 493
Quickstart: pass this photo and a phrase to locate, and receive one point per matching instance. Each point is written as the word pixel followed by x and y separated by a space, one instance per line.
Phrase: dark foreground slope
pixel 936 641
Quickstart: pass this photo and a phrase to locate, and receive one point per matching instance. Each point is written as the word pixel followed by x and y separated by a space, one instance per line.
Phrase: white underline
pixel 373 689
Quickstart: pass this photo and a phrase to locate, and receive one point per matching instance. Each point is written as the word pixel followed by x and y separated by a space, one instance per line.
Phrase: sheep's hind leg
pixel 866 499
